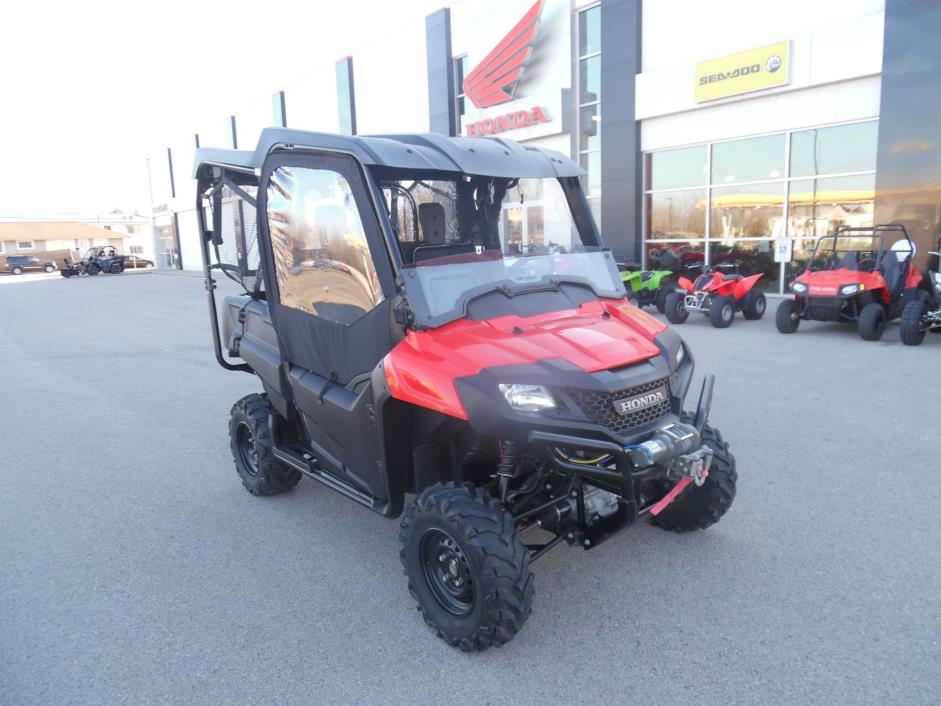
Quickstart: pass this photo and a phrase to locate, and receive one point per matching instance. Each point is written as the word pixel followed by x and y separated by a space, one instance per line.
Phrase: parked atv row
pixel 95 261
pixel 717 295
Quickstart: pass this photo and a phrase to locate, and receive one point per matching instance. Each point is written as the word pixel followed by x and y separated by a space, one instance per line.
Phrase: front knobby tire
pixel 871 322
pixel 787 318
pixel 700 507
pixel 911 331
pixel 252 449
pixel 722 312
pixel 676 311
pixel 467 566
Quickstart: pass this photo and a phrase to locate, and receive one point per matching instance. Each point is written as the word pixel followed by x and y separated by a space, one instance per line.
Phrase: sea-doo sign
pixel 503 90
pixel 744 72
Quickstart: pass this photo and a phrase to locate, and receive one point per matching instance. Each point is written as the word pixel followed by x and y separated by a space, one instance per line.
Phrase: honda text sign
pixel 519 54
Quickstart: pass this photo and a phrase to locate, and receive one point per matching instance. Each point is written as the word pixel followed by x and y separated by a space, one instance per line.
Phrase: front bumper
pixel 673 451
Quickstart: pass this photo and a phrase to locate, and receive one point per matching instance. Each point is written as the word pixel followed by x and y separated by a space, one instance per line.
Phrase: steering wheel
pixel 866 265
pixel 532 267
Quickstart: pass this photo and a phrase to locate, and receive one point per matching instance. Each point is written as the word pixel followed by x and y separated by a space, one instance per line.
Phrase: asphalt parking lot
pixel 137 570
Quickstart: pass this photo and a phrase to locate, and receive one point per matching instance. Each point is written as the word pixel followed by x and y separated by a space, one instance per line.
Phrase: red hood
pixel 828 282
pixel 422 368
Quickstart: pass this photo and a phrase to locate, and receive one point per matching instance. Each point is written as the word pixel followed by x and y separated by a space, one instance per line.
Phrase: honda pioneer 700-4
pixel 436 319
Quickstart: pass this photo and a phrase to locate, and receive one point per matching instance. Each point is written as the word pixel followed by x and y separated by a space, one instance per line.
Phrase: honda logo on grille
pixel 641 402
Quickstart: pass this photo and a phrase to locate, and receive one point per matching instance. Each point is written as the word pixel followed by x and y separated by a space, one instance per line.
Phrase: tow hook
pixel 694 466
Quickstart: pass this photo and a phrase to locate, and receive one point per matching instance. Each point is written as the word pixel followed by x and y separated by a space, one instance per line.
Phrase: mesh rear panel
pixel 599 406
pixel 237 255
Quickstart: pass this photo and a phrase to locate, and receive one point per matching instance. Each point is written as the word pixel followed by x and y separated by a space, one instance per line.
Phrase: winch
pixel 678 447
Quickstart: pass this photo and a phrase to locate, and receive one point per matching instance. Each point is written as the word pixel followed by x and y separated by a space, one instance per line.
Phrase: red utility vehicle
pixel 852 276
pixel 717 295
pixel 491 386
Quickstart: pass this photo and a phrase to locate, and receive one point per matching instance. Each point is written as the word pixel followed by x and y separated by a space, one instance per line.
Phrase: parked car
pixel 136 262
pixel 18 264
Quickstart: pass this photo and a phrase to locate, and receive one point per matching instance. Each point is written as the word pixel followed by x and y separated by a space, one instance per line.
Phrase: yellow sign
pixel 747 71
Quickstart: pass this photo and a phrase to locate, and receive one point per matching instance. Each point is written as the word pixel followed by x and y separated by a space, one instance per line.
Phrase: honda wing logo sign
pixel 495 86
pixel 494 79
pixel 640 402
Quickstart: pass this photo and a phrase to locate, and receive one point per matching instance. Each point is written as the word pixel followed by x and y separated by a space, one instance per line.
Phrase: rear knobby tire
pixel 490 557
pixel 116 268
pixel 722 312
pixel 662 295
pixel 250 441
pixel 755 305
pixel 910 329
pixel 92 269
pixel 787 318
pixel 871 322
pixel 700 507
pixel 675 308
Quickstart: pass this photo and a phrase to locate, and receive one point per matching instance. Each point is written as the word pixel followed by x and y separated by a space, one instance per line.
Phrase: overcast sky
pixel 87 89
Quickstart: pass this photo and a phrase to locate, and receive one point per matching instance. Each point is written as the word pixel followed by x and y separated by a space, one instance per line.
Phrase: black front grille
pixel 599 407
pixel 822 309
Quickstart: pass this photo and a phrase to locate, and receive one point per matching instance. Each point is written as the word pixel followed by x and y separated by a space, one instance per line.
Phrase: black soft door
pixel 328 265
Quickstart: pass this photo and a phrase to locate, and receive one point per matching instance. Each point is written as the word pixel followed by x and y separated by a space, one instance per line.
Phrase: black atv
pixel 923 313
pixel 409 345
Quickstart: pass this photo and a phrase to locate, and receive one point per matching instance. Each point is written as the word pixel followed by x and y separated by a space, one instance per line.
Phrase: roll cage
pixel 826 248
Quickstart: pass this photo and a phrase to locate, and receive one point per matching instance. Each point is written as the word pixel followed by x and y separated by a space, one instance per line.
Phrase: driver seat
pixel 893 271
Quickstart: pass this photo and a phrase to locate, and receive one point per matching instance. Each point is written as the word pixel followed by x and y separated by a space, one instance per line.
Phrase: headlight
pixel 680 355
pixel 527 398
pixel 799 287
pixel 848 289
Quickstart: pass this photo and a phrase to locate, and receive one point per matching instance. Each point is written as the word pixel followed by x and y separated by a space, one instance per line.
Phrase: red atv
pixel 853 276
pixel 717 295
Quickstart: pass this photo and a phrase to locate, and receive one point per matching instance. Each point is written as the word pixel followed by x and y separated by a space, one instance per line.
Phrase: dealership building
pixel 726 134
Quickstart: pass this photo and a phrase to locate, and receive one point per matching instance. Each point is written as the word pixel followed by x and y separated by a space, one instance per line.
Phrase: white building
pixel 711 132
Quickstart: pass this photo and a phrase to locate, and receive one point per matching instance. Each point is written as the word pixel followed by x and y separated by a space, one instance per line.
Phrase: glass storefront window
pixel 746 258
pixel 676 214
pixel 589 128
pixel 757 194
pixel 686 259
pixel 589 31
pixel 589 80
pixel 673 169
pixel 748 211
pixel 591 163
pixel 595 205
pixel 748 160
pixel 820 206
pixel 832 150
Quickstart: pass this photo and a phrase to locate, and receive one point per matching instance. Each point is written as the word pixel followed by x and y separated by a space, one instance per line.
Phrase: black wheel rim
pixel 447 572
pixel 246 444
